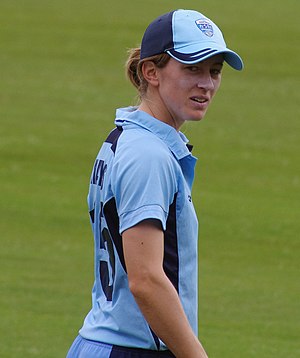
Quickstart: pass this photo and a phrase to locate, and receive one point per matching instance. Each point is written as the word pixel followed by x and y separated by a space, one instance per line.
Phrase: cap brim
pixel 232 58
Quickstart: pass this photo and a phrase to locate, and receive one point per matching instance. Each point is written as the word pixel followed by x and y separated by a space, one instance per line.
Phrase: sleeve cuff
pixel 132 218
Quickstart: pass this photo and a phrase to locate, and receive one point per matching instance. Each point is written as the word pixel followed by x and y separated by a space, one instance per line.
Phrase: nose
pixel 205 82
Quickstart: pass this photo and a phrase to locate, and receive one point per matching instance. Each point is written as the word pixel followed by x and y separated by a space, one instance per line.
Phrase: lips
pixel 200 99
pixel 200 102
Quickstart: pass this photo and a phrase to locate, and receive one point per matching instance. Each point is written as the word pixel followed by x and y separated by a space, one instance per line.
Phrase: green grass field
pixel 62 77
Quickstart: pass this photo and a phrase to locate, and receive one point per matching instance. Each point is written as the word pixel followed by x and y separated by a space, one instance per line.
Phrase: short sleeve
pixel 143 181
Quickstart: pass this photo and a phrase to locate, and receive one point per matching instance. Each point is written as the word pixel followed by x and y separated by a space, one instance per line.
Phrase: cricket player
pixel 144 298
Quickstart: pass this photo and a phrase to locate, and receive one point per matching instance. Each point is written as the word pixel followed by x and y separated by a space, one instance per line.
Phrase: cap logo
pixel 206 27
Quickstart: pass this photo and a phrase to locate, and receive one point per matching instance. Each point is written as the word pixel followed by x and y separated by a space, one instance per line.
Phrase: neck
pixel 152 108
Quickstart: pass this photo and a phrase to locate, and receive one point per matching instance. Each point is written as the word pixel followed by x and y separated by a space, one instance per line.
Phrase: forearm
pixel 153 291
pixel 166 316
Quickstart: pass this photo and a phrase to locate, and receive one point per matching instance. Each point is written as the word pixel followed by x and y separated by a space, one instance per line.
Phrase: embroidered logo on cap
pixel 205 26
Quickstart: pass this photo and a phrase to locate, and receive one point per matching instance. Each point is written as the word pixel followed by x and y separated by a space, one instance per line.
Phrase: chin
pixel 197 116
pixel 197 119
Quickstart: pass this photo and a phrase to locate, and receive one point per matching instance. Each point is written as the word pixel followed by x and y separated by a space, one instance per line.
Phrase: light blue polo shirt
pixel 144 170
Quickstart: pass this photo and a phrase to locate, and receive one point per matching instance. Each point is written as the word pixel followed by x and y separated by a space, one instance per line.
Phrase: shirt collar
pixel 176 141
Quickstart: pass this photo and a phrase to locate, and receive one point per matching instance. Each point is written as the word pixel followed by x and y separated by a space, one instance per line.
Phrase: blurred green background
pixel 62 76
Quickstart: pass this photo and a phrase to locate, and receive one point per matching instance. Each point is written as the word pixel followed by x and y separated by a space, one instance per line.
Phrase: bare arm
pixel 154 293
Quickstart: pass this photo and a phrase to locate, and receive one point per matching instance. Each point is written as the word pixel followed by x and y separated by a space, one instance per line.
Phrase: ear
pixel 149 71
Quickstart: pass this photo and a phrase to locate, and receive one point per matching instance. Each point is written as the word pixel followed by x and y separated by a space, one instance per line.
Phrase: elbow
pixel 143 285
pixel 139 286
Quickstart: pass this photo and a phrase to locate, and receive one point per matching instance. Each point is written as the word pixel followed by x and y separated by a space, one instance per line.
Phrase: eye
pixel 193 68
pixel 215 71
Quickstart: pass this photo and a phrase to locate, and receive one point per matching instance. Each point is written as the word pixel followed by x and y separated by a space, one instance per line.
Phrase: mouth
pixel 199 99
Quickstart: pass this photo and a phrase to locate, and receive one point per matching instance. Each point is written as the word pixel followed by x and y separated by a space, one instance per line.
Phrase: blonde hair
pixel 134 68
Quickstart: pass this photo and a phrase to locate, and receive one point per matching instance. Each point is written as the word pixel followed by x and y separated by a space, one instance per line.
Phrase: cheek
pixel 217 85
pixel 171 90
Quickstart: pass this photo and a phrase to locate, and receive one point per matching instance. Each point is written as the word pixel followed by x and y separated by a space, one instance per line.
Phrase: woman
pixel 142 215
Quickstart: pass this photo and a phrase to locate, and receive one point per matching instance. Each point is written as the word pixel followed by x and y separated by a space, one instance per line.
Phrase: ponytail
pixel 132 66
